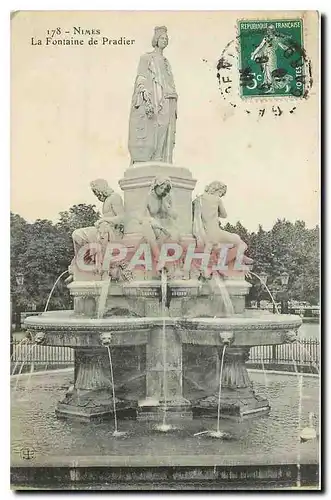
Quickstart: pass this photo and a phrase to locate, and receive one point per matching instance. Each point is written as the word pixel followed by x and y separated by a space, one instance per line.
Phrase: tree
pixel 78 216
pixel 240 230
pixel 44 257
pixel 18 241
pixel 42 251
pixel 292 248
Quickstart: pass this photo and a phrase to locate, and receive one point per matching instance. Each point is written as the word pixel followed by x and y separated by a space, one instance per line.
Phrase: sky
pixel 70 114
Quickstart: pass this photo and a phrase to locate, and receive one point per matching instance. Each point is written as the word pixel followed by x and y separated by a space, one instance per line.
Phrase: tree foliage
pixel 78 216
pixel 41 251
pixel 292 248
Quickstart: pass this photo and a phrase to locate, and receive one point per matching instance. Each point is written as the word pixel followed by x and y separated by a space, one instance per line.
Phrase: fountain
pixel 197 311
pixel 159 327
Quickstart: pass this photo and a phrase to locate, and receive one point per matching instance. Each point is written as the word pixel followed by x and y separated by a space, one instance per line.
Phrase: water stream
pixel 23 341
pixel 303 348
pixel 28 384
pixel 100 314
pixel 116 432
pixel 220 391
pixel 267 288
pixel 164 427
pixel 300 385
pixel 53 288
pixel 218 283
pixel 218 433
pixel 22 365
pixel 163 306
pixel 103 298
pixel 277 311
pixel 300 388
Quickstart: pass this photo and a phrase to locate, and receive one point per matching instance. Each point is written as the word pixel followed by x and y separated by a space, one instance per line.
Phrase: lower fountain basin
pixel 266 448
pixel 174 361
pixel 65 328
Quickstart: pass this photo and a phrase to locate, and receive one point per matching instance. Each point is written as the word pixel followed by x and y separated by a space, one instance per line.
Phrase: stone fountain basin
pixel 65 328
pixel 270 440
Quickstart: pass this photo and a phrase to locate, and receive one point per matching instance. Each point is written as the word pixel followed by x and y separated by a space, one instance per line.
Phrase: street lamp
pixel 17 313
pixel 19 279
pixel 284 277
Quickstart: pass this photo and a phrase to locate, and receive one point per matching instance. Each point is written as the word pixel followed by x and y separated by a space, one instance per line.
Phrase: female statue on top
pixel 154 106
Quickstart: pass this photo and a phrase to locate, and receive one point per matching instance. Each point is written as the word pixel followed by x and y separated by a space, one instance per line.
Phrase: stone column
pixel 234 374
pixel 92 371
pixel 164 389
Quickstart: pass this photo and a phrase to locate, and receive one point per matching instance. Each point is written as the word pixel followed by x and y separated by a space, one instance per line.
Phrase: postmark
pixel 271 58
pixel 244 82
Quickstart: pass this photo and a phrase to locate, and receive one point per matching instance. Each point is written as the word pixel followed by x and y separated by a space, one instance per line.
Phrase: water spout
pixel 40 338
pixel 53 288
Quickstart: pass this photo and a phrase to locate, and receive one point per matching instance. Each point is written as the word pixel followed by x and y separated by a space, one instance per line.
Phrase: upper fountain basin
pixel 64 328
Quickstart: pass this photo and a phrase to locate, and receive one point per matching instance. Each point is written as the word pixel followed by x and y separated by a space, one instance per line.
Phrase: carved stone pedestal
pixel 238 398
pixel 136 185
pixel 91 397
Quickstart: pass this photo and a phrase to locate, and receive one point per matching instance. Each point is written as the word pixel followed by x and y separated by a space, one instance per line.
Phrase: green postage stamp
pixel 271 58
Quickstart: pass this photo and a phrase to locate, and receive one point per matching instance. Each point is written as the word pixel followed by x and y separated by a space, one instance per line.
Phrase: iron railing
pixel 305 352
pixel 47 356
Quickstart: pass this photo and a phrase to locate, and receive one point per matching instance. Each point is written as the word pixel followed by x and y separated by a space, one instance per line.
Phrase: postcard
pixel 165 250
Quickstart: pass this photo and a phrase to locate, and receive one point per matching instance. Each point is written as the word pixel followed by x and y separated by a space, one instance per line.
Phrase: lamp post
pixel 15 311
pixel 20 279
pixel 284 278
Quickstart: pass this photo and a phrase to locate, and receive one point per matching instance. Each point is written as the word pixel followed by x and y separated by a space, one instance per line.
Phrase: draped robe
pixel 153 122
